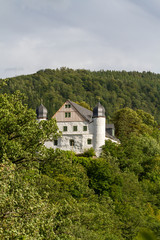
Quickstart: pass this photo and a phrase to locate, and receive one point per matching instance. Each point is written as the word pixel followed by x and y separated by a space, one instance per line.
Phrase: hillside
pixel 115 89
pixel 57 195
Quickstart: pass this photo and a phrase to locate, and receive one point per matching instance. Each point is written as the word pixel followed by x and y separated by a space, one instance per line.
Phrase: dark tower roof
pixel 41 112
pixel 99 111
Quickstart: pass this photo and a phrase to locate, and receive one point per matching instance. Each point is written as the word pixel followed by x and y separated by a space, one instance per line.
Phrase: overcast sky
pixel 88 34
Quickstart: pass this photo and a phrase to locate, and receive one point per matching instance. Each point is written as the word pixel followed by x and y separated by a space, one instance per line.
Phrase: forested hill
pixel 114 89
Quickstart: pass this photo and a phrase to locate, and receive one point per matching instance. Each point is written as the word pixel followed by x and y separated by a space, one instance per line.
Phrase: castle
pixel 81 128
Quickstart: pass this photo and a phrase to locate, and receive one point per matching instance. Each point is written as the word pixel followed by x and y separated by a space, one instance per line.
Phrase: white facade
pixel 81 128
pixel 76 136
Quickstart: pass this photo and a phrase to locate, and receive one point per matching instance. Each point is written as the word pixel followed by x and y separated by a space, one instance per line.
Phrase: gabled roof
pixel 84 112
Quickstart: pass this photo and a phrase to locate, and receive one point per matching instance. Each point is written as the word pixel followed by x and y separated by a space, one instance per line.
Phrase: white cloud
pixel 92 34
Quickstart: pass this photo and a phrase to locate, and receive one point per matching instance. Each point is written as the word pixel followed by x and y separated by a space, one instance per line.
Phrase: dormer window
pixel 67 114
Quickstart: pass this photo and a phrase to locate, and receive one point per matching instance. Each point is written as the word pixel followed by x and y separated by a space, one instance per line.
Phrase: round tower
pixel 99 127
pixel 41 112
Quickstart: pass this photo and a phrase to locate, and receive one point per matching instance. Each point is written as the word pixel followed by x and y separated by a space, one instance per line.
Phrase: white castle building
pixel 81 128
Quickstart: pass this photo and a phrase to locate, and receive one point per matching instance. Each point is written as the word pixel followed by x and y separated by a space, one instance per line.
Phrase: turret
pixel 99 125
pixel 41 112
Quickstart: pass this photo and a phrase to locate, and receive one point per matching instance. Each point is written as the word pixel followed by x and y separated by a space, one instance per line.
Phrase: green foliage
pixel 101 175
pixel 89 153
pixel 116 89
pixel 145 235
pixel 23 213
pixel 138 158
pixel 60 165
pixel 3 82
pixel 147 118
pixel 85 105
pixel 47 194
pixel 129 123
pixel 21 136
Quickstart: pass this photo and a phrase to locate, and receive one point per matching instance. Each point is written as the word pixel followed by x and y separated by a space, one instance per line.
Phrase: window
pixel 67 106
pixel 71 142
pixel 67 114
pixel 55 142
pixel 89 141
pixel 84 128
pixel 75 128
pixel 64 128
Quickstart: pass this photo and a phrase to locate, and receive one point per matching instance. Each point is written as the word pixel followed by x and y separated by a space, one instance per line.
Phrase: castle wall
pixel 83 140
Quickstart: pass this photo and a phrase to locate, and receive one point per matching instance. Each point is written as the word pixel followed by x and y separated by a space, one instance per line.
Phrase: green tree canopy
pixel 21 136
pixel 129 122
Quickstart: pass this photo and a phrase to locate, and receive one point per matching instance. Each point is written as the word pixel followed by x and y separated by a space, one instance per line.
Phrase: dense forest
pixel 47 194
pixel 115 89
